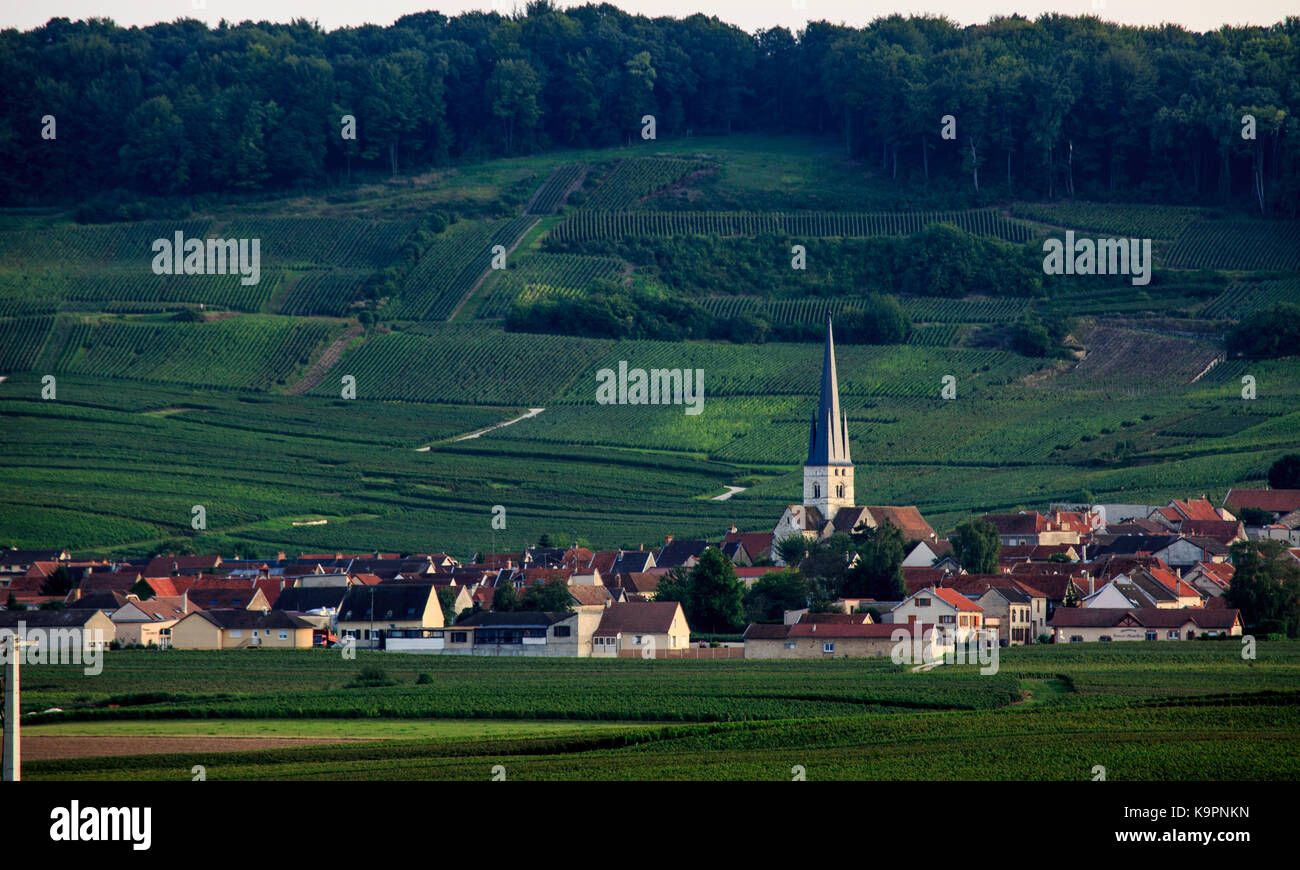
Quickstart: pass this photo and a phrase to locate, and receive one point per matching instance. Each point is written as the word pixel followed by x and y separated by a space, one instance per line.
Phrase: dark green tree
pixel 1266 586
pixel 1285 473
pixel 976 545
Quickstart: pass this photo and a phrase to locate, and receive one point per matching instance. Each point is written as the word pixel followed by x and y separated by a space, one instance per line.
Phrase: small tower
pixel 828 473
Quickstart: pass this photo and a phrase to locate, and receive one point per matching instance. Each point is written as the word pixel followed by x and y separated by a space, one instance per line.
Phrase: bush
pixel 423 680
pixel 369 678
pixel 1044 638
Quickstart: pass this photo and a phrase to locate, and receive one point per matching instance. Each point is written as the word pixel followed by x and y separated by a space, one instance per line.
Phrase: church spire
pixel 828 441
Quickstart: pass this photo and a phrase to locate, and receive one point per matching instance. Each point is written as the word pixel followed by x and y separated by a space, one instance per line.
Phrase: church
pixel 828 500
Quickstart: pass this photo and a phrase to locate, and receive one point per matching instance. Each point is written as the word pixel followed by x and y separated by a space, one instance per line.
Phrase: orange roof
pixel 956 599
pixel 1196 509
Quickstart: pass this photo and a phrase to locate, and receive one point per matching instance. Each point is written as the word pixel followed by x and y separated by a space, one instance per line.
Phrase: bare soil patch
pixel 38 748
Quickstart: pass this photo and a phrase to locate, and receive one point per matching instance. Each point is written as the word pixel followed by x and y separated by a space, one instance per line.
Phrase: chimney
pixel 185 601
pixel 814 628
pixel 1091 588
pixel 668 540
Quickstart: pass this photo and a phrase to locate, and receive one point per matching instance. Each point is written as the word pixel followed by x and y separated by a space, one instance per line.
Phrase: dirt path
pixel 321 367
pixel 39 748
pixel 532 412
pixel 473 291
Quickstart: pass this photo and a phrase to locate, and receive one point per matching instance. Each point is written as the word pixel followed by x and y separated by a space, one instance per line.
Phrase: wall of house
pixel 195 632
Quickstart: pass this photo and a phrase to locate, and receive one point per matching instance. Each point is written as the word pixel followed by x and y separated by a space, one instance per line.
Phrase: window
pixel 817 491
pixel 1151 635
pixel 640 639
pixel 284 635
pixel 236 632
pixel 1105 638
pixel 789 644
pixel 459 636
pixel 1076 638
pixel 947 619
pixel 923 602
pixel 562 631
pixel 1174 635
pixel 828 647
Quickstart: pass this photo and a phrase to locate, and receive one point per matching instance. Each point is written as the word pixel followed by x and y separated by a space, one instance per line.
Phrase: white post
pixel 13 764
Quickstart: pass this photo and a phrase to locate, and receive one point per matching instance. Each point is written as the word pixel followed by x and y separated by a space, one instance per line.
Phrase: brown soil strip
pixel 488 271
pixel 321 367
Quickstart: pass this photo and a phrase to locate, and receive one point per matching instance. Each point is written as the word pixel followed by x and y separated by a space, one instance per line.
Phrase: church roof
pixel 828 441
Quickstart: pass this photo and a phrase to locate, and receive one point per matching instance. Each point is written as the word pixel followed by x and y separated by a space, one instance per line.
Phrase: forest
pixel 1058 106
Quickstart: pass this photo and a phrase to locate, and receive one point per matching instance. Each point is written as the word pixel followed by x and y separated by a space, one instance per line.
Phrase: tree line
pixel 1032 108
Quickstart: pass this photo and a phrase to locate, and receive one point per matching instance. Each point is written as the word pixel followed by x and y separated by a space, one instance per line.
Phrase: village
pixel 1066 574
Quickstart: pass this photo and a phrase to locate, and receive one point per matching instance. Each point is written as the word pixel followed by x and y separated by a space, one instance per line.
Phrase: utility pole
pixel 13 764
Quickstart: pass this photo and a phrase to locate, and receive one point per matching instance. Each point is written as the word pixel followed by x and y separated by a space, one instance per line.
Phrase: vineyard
pixel 453 264
pixel 1124 219
pixel 269 350
pixel 327 294
pixel 343 242
pixel 93 245
pixel 636 178
pixel 971 310
pixel 470 364
pixel 1243 297
pixel 534 274
pixel 1237 245
pixel 21 339
pixel 589 225
pixel 551 195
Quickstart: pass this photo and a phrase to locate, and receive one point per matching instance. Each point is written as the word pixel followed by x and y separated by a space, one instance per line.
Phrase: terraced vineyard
pixel 635 178
pixel 588 225
pixel 932 310
pixel 470 364
pixel 550 196
pixel 546 274
pixel 1123 219
pixel 1237 244
pixel 775 310
pixel 453 264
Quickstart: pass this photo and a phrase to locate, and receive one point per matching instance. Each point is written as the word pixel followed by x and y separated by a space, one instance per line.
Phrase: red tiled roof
pixel 1197 509
pixel 1223 531
pixel 956 599
pixel 655 617
pixel 853 629
pixel 1281 501
pixel 906 518
pixel 1024 523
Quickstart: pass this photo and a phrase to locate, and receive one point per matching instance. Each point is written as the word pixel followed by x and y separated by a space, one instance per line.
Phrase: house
pixel 1136 590
pixel 944 607
pixel 1211 579
pixel 1029 528
pixel 636 583
pixel 926 553
pixel 241 629
pixel 172 565
pixel 1012 609
pixel 825 640
pixel 1177 512
pixel 520 633
pixel 150 621
pixel 1226 532
pixel 680 554
pixel 1283 505
pixel 757 544
pixel 974 586
pixel 73 630
pixel 1088 624
pixel 315 600
pixel 13 561
pixel 369 613
pixel 216 597
pixel 735 551
pixel 645 630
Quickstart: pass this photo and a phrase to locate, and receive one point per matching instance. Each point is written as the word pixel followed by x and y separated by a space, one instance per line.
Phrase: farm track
pixel 324 363
pixel 473 291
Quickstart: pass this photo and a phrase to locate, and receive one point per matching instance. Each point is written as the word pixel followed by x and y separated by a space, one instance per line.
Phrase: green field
pixel 1191 711
pixel 244 411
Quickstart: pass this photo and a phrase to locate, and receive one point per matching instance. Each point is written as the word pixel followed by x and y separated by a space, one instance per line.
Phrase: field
pixel 1145 711
pixel 155 413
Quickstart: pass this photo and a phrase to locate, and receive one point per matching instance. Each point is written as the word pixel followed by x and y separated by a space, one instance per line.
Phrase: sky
pixel 749 14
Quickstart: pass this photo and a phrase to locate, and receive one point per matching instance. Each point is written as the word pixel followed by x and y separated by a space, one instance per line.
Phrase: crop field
pixel 560 274
pixel 341 242
pixel 471 364
pixel 1237 244
pixel 1145 711
pixel 1164 222
pixel 328 294
pixel 588 225
pixel 1243 297
pixel 551 195
pixel 635 178
pixel 453 264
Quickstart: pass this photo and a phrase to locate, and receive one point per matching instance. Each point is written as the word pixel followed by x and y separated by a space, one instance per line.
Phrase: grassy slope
pixel 95 470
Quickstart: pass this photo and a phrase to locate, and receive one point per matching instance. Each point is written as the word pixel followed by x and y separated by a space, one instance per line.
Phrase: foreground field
pixel 1154 711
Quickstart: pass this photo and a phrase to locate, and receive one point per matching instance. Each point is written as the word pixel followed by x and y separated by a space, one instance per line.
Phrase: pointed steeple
pixel 828 441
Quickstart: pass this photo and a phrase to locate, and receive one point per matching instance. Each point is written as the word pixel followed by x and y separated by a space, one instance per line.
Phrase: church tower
pixel 828 473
